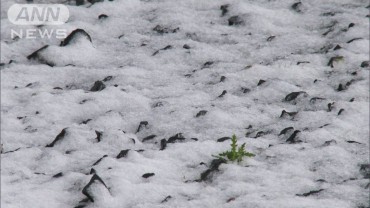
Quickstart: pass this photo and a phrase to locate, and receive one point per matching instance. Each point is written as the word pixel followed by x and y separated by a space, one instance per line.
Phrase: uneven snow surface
pixel 69 111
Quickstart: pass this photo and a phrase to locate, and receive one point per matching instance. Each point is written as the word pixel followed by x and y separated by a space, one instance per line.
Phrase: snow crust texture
pixel 128 110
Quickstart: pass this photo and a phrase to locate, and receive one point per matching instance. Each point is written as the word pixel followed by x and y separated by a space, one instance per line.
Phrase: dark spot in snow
pixel 215 164
pixel 321 181
pixel 155 53
pixel 310 193
pixel 315 99
pixel 270 38
pixel 108 78
pixel 186 46
pixel 79 2
pixel 223 139
pixel 340 88
pixel 326 48
pixel 86 121
pixel 142 125
pixel 59 137
pixel 11 151
pixel 365 170
pixel 235 20
pixel 57 88
pixel 74 36
pixel 250 132
pixel 331 29
pixel 37 57
pixel 230 200
pixel 98 161
pixel 350 179
pixel 365 64
pixel 98 86
pixel 330 142
pixel 340 111
pixel 92 171
pixel 140 150
pixel 161 29
pixel 328 14
pixel 337 47
pixel 103 16
pixel 30 129
pixel 353 142
pixel 158 104
pixel 293 95
pixel 286 130
pixel 334 59
pixel 224 9
pixel 201 113
pixel 261 82
pixel 285 114
pixel 323 126
pixel 297 7
pixel 303 62
pixel 87 190
pixel 83 203
pixel 163 144
pixel 292 138
pixel 37 173
pixel 175 138
pixel 207 64
pixel 147 175
pixel 195 139
pixel 352 99
pixel 222 79
pixel 330 106
pixel 165 48
pixel 148 138
pixel 245 90
pixel 354 39
pixel 261 133
pixel 99 135
pixel 222 94
pixel 58 175
pixel 123 153
pixel 166 199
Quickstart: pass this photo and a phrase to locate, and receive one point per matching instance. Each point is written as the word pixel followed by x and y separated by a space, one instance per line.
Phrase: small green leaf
pixel 235 154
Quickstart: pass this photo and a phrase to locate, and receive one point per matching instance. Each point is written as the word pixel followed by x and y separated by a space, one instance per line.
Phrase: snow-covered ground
pixel 164 61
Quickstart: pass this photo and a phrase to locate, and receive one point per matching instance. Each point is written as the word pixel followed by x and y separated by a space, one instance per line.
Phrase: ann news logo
pixel 38 15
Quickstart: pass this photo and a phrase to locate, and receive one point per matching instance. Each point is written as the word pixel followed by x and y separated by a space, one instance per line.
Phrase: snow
pixel 169 88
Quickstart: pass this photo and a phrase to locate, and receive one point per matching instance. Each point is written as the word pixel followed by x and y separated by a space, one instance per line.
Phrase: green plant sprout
pixel 235 154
